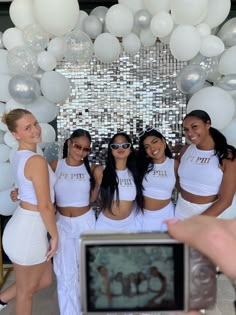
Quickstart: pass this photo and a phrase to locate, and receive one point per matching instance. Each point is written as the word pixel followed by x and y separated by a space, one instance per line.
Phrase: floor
pixel 45 302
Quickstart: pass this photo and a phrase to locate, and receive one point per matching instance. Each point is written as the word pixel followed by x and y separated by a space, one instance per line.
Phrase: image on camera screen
pixel 135 277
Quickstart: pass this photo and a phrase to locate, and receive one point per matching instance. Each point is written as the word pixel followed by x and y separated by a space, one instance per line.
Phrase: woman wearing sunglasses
pixel 119 192
pixel 73 188
pixel 157 171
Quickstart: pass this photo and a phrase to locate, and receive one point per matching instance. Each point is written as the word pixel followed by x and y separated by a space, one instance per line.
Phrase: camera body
pixel 143 273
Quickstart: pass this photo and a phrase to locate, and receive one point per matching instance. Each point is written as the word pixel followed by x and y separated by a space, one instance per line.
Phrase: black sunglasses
pixel 116 146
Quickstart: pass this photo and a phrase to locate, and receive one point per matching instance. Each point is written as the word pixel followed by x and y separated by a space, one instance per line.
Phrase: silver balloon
pixel 100 12
pixel 24 89
pixel 191 79
pixel 228 33
pixel 227 82
pixel 142 18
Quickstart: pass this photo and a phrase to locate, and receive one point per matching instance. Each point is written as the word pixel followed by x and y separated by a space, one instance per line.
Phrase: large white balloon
pixel 107 48
pixel 154 6
pixel 188 11
pixel 216 102
pixel 211 46
pixel 227 63
pixel 12 104
pixel 4 152
pixel 7 206
pixel 217 12
pixel 80 21
pixel 119 20
pixel 7 177
pixel 57 17
pixel 21 13
pixel 161 24
pixel 230 132
pixel 13 37
pixel 185 42
pixel 43 110
pixel 55 87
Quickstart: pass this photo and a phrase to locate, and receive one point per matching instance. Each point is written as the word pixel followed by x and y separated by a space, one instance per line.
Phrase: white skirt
pixel 185 209
pixel 25 238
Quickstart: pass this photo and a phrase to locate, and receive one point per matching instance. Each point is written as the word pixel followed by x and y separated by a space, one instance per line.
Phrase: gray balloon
pixel 228 33
pixel 142 18
pixel 191 79
pixel 92 26
pixel 24 89
pixel 227 82
pixel 100 12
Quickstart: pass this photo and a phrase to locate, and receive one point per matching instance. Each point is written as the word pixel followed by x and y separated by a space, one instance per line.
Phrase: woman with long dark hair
pixel 120 195
pixel 73 188
pixel 207 170
pixel 157 172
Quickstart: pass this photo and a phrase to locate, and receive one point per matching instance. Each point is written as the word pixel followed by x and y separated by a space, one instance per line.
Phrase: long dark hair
pixel 110 179
pixel 222 149
pixel 77 134
pixel 145 163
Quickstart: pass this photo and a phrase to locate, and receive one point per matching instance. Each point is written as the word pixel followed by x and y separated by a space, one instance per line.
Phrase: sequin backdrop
pixel 127 95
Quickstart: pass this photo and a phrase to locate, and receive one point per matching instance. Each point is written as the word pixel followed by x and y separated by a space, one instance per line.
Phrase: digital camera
pixel 143 273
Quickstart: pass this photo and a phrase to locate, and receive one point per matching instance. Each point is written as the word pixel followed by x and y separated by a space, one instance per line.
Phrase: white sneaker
pixel 2 306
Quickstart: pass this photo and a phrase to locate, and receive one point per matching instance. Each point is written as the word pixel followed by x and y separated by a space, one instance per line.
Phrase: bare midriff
pixel 154 204
pixel 28 206
pixel 196 198
pixel 73 211
pixel 121 211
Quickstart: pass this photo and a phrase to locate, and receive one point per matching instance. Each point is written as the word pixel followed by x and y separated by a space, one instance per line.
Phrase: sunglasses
pixel 146 130
pixel 79 147
pixel 116 146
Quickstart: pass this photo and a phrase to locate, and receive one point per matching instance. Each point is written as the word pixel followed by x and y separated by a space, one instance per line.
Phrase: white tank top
pixel 160 182
pixel 126 186
pixel 72 188
pixel 199 172
pixel 26 189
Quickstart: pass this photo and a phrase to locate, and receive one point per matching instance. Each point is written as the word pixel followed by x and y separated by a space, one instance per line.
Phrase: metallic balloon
pixel 228 33
pixel 24 89
pixel 191 79
pixel 209 65
pixel 227 82
pixel 100 12
pixel 142 18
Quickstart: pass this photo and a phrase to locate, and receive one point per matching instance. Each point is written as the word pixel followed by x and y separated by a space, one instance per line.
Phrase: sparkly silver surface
pixel 127 95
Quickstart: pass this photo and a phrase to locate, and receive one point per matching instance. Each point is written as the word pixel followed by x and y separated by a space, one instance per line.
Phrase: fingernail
pixel 171 221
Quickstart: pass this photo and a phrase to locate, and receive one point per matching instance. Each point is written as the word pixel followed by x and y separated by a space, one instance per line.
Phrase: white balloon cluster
pixel 45 32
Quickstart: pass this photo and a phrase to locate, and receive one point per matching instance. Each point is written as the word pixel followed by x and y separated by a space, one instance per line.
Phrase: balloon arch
pixel 46 32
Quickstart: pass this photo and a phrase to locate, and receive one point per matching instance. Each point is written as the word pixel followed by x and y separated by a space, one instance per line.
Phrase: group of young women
pixel 133 190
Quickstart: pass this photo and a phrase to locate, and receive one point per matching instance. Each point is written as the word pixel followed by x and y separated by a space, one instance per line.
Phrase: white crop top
pixel 26 189
pixel 199 172
pixel 72 188
pixel 160 181
pixel 126 186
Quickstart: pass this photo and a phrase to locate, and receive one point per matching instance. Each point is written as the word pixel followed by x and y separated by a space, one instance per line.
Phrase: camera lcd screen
pixel 134 277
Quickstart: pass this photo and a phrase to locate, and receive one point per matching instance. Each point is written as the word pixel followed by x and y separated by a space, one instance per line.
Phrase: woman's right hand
pixel 14 195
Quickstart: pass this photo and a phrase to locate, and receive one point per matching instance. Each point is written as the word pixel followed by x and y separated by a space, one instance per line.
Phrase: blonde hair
pixel 11 118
